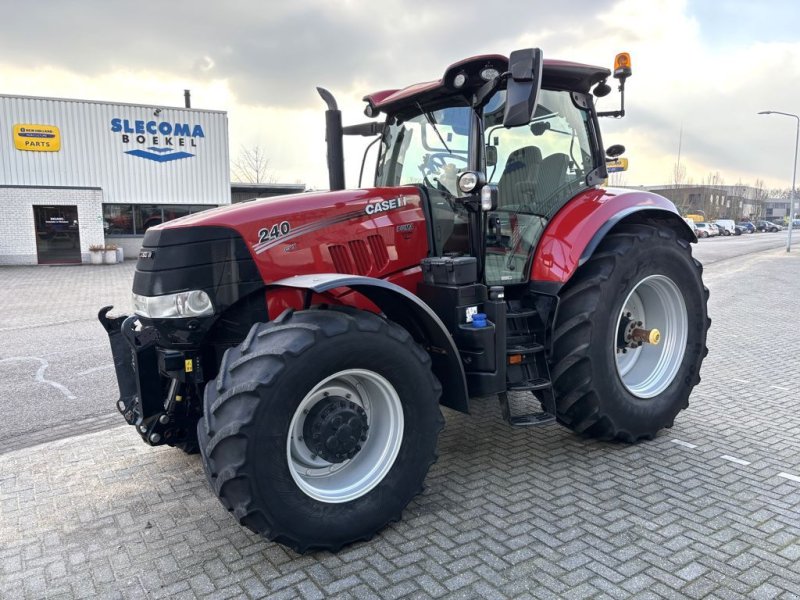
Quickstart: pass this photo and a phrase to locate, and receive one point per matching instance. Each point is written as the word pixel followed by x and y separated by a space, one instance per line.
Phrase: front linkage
pixel 157 387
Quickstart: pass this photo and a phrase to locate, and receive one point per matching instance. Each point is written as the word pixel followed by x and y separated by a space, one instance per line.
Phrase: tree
pixel 251 166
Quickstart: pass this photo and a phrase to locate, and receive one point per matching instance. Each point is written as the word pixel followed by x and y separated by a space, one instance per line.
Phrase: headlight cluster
pixel 195 303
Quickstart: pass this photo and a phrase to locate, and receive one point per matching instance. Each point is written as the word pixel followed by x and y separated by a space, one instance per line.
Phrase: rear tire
pixel 303 375
pixel 601 392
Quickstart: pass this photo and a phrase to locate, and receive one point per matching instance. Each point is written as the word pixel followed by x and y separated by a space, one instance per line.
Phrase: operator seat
pixel 551 178
pixel 518 176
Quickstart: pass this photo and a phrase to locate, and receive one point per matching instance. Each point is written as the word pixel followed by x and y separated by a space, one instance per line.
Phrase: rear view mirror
pixel 523 86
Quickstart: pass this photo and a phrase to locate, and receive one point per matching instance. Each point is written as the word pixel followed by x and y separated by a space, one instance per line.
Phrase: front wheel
pixel 321 427
pixel 630 336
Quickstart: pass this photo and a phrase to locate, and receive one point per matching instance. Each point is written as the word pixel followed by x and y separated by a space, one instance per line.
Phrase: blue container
pixel 479 320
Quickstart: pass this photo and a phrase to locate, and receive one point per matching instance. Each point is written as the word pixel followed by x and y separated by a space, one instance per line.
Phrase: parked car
pixel 726 226
pixel 747 225
pixel 739 230
pixel 714 229
pixel 705 230
pixel 767 226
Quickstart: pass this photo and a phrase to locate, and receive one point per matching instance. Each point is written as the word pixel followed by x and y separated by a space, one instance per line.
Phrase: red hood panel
pixel 372 232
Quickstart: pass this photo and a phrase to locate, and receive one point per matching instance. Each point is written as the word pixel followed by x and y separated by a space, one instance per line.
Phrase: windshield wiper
pixel 432 122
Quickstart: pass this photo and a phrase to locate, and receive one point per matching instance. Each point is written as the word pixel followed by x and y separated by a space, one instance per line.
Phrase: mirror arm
pixel 364 129
pixel 484 92
pixel 617 114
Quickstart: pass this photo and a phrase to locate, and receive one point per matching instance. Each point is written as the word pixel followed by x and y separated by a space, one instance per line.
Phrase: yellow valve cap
pixel 655 336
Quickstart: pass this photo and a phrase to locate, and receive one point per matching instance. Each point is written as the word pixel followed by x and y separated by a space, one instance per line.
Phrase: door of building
pixel 57 237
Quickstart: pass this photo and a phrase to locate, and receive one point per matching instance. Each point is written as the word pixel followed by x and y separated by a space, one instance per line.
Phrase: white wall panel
pixel 92 155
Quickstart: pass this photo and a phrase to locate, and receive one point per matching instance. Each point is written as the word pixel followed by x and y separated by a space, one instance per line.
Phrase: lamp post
pixel 794 170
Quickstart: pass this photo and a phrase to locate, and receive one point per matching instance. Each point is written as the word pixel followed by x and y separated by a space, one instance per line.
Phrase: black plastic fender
pixel 404 308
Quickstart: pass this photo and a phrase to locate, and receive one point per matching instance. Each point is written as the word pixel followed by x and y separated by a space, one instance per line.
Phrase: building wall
pixel 133 159
pixel 17 228
pixel 95 146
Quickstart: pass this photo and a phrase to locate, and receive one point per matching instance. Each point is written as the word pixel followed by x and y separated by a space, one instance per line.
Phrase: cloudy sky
pixel 705 67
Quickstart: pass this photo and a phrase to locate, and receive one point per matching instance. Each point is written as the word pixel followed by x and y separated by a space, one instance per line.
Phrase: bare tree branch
pixel 251 166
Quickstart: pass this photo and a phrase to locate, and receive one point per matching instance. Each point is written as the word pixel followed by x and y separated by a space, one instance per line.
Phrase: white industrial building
pixel 76 173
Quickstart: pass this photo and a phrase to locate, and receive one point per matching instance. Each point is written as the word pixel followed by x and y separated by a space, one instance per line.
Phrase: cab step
pixel 533 419
pixel 540 383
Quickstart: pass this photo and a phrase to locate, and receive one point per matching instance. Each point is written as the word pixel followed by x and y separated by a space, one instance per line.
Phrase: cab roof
pixel 556 75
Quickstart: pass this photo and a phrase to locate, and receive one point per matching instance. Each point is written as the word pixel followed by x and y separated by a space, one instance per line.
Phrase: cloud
pixel 261 61
pixel 273 53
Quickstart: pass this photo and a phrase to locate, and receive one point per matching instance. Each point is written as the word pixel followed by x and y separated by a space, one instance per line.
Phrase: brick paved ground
pixel 704 510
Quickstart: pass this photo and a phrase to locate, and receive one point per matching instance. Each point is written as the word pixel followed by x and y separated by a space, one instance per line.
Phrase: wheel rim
pixel 337 481
pixel 649 369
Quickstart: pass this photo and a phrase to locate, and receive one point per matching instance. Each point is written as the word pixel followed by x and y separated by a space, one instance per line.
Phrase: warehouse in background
pixel 76 173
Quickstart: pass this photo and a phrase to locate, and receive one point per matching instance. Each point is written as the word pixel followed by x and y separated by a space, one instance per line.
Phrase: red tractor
pixel 304 344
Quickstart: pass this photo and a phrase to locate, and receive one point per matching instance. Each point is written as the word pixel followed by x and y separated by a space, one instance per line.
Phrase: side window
pixel 540 166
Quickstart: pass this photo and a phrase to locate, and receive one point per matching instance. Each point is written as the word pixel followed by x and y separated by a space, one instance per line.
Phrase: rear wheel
pixel 321 427
pixel 630 336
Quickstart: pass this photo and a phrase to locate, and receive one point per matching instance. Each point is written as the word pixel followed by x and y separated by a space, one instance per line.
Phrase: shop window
pixel 118 219
pixel 146 216
pixel 135 219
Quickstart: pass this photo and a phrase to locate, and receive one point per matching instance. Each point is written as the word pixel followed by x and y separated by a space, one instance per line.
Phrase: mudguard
pixel 575 231
pixel 408 311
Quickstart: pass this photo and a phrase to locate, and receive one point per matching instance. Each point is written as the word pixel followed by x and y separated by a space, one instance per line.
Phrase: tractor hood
pixel 233 250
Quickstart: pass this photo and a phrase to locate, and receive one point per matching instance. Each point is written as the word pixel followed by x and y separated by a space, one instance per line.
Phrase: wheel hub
pixel 335 428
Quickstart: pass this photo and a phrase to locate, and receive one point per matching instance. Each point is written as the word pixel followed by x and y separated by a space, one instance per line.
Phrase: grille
pixel 379 253
pixel 358 248
pixel 341 259
pixel 360 257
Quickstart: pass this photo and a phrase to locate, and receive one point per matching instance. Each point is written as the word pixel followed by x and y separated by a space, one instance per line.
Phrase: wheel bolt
pixel 155 438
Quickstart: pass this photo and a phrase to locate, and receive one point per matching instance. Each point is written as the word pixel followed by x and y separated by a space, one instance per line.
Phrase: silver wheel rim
pixel 648 370
pixel 345 481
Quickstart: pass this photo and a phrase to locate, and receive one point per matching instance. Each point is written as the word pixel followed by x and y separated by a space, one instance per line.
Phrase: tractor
pixel 305 344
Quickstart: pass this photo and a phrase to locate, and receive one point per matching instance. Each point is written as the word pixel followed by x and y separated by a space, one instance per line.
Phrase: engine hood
pixel 372 232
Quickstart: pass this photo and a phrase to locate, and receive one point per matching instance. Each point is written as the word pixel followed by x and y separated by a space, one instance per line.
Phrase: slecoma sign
pixel 163 141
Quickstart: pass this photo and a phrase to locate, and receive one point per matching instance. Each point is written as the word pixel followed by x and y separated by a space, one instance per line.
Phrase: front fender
pixel 408 311
pixel 575 231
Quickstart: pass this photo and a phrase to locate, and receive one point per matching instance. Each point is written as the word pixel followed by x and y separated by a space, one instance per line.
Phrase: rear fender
pixel 404 308
pixel 576 230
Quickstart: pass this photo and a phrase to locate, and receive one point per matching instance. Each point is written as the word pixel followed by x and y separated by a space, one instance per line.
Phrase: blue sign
pixel 167 141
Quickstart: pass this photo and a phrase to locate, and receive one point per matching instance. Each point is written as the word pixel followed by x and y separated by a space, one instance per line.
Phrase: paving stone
pixel 506 512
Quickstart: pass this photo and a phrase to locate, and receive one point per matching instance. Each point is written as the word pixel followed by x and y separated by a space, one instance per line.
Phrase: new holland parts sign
pixel 159 141
pixel 37 138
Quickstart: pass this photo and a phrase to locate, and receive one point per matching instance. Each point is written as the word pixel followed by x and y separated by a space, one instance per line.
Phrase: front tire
pixel 640 274
pixel 321 427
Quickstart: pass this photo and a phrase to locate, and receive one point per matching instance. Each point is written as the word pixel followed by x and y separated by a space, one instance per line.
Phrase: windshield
pixel 430 150
pixel 537 167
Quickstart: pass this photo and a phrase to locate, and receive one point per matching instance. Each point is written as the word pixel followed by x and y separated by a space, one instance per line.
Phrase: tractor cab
pixel 496 146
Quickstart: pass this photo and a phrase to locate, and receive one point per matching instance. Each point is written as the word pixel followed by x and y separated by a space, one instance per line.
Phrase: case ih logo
pixel 163 141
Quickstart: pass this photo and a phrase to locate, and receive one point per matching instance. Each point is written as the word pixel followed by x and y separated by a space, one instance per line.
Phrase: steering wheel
pixel 437 161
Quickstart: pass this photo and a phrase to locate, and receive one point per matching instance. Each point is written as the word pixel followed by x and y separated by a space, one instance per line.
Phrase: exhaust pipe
pixel 333 138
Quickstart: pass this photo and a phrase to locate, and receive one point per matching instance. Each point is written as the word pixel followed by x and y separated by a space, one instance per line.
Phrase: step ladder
pixel 527 370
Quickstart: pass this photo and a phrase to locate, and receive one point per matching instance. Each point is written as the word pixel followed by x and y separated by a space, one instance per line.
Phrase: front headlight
pixel 195 303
